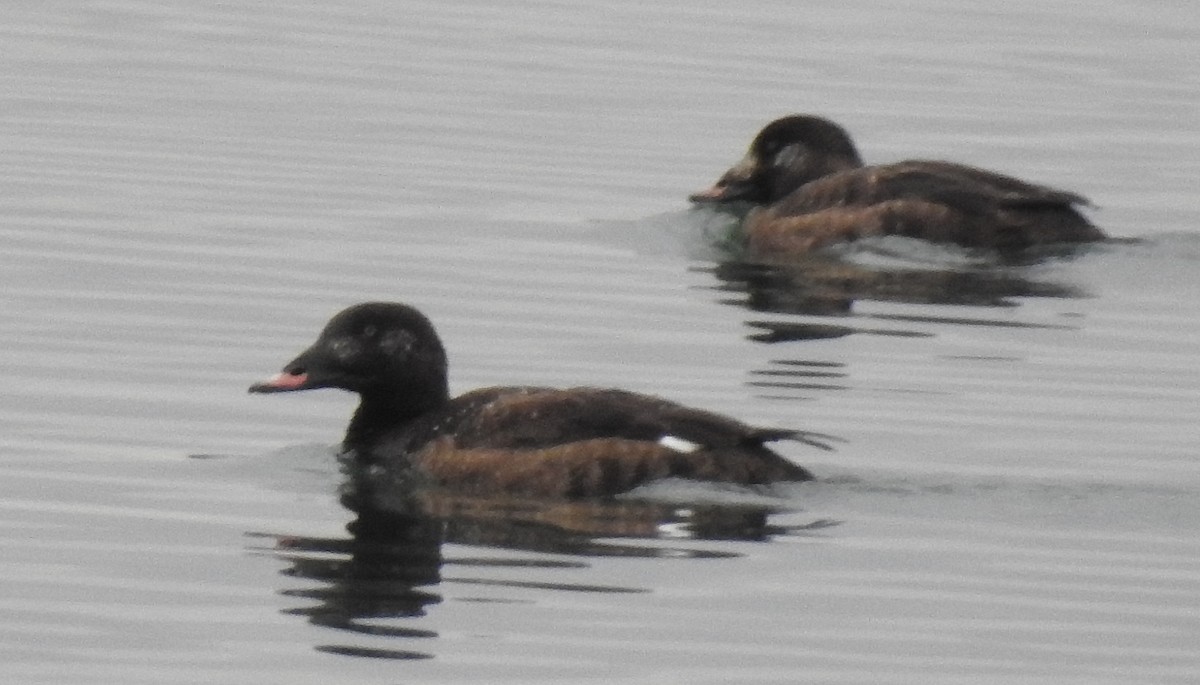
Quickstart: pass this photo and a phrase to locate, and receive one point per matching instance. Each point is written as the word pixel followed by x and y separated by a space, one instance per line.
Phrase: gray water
pixel 189 189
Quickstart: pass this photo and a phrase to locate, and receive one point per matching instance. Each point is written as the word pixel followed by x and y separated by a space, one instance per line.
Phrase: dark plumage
pixel 812 190
pixel 532 441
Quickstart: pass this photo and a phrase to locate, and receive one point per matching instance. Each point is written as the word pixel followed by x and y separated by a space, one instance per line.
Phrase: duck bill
pixel 283 382
pixel 726 191
pixel 716 193
pixel 734 185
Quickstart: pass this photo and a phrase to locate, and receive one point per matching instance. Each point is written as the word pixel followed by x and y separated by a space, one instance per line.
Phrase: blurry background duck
pixel 809 189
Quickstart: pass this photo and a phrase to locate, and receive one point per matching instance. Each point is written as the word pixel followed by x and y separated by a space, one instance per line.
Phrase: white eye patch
pixel 397 342
pixel 345 349
pixel 787 156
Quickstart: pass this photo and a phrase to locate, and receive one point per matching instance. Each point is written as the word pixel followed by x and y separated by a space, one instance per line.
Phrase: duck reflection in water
pixel 382 579
pixel 828 284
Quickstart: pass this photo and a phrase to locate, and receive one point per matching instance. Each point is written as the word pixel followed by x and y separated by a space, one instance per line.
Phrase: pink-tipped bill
pixel 281 382
pixel 713 193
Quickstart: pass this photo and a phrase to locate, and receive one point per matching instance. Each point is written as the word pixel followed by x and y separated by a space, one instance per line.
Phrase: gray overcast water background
pixel 188 190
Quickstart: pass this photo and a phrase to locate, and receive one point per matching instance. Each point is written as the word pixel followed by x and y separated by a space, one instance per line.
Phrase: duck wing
pixel 1008 190
pixel 541 417
pixel 588 442
pixel 963 187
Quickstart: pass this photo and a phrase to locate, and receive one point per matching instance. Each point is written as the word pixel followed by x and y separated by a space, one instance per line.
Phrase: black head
pixel 374 349
pixel 785 155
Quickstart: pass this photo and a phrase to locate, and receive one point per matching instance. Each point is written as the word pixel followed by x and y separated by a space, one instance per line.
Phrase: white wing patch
pixel 673 442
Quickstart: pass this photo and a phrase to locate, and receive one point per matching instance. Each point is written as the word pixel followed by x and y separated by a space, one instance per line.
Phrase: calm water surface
pixel 188 191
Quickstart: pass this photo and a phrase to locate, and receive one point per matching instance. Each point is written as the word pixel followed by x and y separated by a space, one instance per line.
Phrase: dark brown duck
pixel 812 190
pixel 528 441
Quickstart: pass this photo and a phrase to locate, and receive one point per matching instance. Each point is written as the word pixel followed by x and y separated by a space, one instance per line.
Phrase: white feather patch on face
pixel 678 444
pixel 787 156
